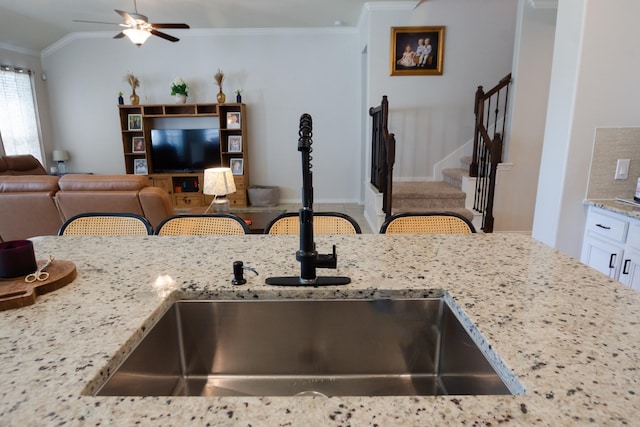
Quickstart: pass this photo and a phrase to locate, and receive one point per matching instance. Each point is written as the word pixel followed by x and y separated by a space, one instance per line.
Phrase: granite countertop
pixel 567 332
pixel 615 206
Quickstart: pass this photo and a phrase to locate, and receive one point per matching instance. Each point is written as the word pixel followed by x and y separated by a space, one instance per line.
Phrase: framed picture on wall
pixel 237 166
pixel 137 144
pixel 135 122
pixel 417 51
pixel 140 166
pixel 235 144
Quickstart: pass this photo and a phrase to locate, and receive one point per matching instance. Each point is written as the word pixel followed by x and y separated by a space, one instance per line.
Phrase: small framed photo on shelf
pixel 237 166
pixel 140 166
pixel 233 120
pixel 135 121
pixel 137 144
pixel 234 144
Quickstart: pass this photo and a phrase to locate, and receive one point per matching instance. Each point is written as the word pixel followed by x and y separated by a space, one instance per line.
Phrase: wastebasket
pixel 263 195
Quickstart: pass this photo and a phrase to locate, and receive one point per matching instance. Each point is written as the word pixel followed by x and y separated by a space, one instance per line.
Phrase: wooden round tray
pixel 15 293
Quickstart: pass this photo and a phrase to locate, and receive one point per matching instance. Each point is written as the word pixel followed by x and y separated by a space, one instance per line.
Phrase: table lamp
pixel 218 182
pixel 60 156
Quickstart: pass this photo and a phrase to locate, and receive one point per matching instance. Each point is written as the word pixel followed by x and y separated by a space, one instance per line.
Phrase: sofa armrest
pixel 156 204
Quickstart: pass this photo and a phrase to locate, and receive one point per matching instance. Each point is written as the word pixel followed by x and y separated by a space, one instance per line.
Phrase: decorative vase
pixel 135 99
pixel 239 99
pixel 221 96
pixel 120 100
pixel 180 98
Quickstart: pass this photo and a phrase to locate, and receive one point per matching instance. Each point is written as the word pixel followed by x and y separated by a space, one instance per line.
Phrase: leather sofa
pixel 28 207
pixel 37 204
pixel 21 165
pixel 112 193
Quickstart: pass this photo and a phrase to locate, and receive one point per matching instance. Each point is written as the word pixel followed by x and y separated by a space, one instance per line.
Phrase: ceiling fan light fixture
pixel 137 36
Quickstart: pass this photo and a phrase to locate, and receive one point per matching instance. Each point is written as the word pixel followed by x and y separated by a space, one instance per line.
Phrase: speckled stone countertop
pixel 615 206
pixel 567 332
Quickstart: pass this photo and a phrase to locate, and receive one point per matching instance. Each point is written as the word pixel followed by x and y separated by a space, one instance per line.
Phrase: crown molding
pixel 18 49
pixel 544 4
pixel 205 32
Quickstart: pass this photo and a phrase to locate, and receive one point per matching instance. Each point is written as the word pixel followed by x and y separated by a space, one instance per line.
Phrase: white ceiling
pixel 35 24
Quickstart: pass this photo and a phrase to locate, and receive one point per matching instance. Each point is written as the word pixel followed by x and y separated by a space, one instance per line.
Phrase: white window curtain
pixel 19 127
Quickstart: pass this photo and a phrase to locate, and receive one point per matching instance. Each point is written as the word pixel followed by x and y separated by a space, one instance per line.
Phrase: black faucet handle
pixel 328 260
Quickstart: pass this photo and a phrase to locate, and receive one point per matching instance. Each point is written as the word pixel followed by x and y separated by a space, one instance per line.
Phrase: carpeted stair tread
pixel 426 190
pixel 455 173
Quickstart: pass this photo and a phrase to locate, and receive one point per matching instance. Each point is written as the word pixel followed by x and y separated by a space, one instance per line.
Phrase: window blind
pixel 19 127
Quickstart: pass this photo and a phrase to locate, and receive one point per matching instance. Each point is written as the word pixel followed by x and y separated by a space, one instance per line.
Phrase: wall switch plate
pixel 622 169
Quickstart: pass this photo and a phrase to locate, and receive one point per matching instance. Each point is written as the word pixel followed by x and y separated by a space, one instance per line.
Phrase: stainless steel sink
pixel 373 347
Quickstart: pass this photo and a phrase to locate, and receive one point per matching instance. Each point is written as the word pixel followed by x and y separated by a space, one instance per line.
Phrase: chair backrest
pixel 212 224
pixel 106 224
pixel 323 223
pixel 427 223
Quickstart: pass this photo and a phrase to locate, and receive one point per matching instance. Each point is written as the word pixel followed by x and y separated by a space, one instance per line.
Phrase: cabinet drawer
pixel 607 226
pixel 183 200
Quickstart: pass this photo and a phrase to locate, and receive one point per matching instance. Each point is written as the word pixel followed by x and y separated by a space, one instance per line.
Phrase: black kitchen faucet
pixel 307 255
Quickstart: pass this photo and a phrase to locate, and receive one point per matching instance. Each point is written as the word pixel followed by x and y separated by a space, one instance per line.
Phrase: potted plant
pixel 179 90
pixel 120 98
pixel 239 96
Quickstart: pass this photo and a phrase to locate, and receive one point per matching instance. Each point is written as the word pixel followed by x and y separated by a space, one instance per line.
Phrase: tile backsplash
pixel 610 145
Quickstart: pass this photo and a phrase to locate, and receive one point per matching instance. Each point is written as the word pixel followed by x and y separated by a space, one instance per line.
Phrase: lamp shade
pixel 137 36
pixel 218 182
pixel 60 155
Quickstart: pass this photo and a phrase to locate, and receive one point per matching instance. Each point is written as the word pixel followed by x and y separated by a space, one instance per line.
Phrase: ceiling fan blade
pixel 164 36
pixel 185 26
pixel 128 18
pixel 119 35
pixel 96 22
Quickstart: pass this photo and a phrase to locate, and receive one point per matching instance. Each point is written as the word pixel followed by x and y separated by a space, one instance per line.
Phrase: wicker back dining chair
pixel 201 225
pixel 106 224
pixel 427 223
pixel 323 223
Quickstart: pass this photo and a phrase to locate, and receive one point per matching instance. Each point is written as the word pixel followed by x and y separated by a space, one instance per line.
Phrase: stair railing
pixel 487 150
pixel 383 154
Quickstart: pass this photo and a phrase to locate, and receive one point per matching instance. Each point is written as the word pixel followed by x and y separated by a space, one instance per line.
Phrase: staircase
pixel 448 195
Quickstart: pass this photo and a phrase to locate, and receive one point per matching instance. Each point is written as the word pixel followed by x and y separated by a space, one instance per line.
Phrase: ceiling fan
pixel 138 28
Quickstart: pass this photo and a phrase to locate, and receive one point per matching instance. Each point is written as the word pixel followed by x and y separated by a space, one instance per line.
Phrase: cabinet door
pixel 603 256
pixel 164 183
pixel 630 271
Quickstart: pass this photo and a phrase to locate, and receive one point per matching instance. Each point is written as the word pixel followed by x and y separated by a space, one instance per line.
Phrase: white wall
pixel 283 73
pixel 432 116
pixel 596 62
pixel 517 179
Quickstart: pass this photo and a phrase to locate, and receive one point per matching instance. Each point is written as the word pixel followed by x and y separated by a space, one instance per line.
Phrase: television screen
pixel 184 150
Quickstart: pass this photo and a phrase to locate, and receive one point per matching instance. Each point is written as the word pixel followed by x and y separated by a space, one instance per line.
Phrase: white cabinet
pixel 602 255
pixel 612 246
pixel 630 273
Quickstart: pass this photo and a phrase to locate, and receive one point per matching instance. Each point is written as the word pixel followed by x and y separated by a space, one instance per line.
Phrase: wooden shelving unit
pixel 185 188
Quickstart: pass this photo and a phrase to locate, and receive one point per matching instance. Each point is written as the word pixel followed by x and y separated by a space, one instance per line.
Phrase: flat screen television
pixel 184 150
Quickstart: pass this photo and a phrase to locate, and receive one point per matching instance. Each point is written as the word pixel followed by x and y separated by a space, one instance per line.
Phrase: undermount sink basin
pixel 356 347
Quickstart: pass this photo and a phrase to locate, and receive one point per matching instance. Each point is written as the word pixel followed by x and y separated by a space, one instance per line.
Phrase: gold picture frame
pixel 417 51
